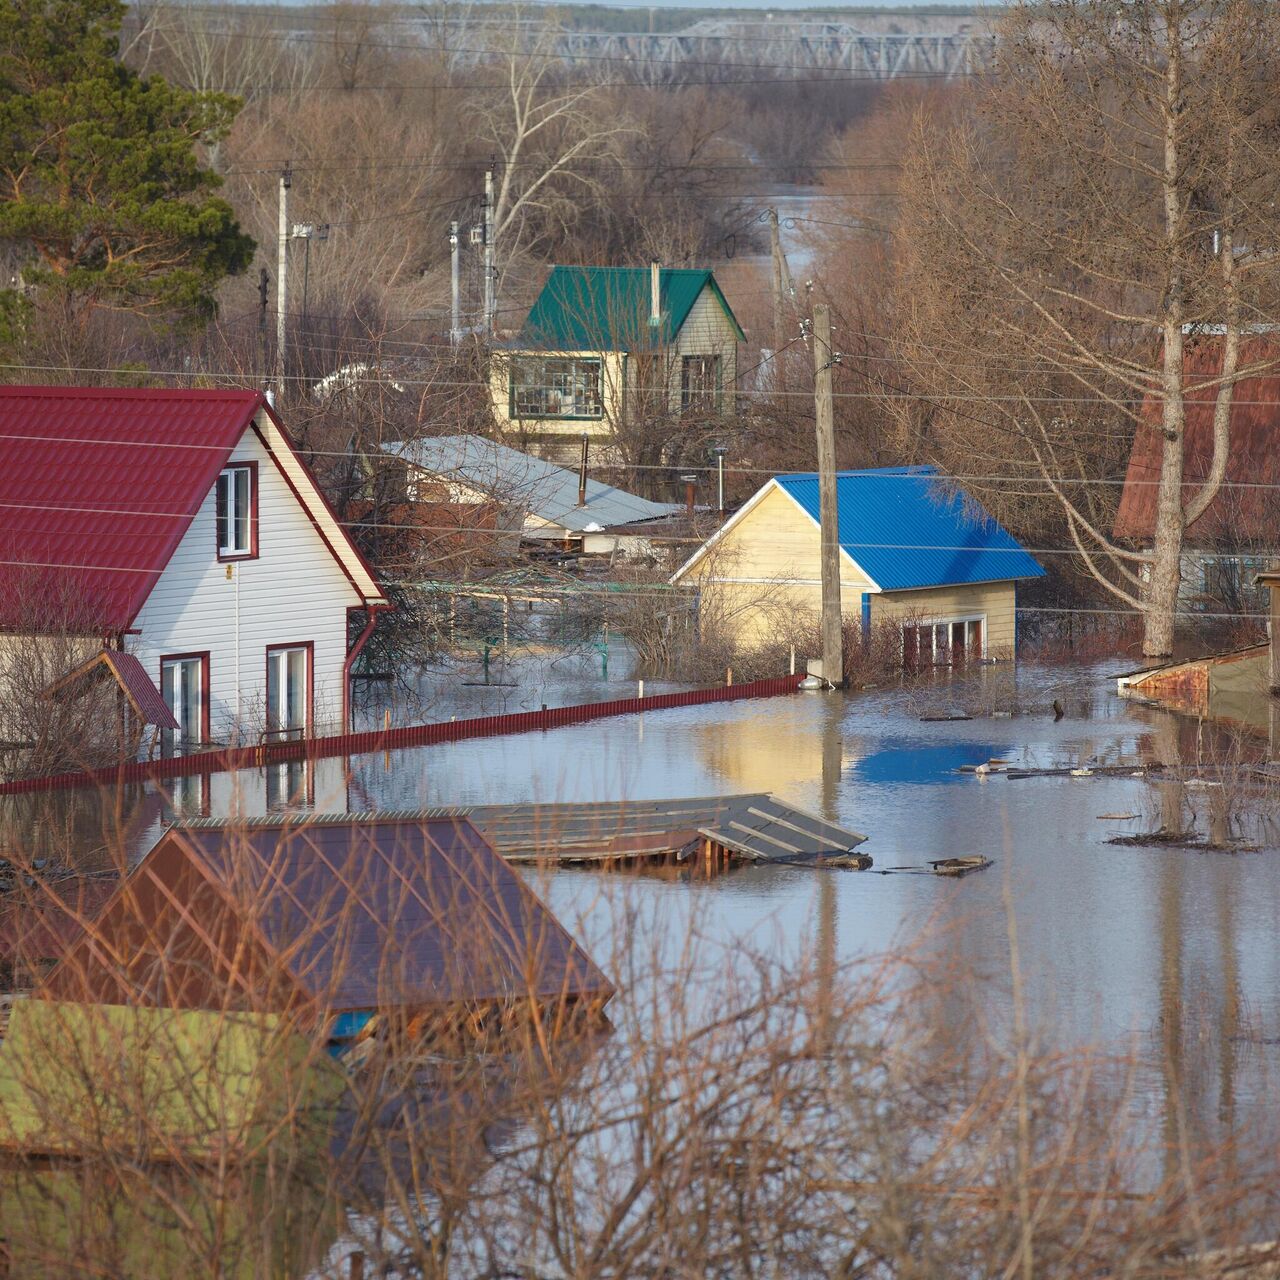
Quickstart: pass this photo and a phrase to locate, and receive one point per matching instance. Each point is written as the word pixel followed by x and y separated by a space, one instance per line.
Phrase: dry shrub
pixel 754 1111
pixel 52 630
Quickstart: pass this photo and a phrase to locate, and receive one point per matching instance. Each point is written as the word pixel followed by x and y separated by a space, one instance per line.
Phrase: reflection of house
pixel 604 345
pixel 545 503
pixel 184 526
pixel 914 553
pixel 1238 536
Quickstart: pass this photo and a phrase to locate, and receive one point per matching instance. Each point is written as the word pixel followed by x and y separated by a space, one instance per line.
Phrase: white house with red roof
pixel 183 527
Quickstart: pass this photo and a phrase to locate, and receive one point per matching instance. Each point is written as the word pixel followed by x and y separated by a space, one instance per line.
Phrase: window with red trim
pixel 237 512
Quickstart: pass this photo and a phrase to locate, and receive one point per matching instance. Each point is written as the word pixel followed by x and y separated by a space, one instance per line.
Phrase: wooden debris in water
pixel 960 866
pixel 953 867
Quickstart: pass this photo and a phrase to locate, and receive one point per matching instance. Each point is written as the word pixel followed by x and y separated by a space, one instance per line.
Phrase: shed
pixel 537 497
pixel 162 1084
pixel 145 702
pixel 916 554
pixel 329 918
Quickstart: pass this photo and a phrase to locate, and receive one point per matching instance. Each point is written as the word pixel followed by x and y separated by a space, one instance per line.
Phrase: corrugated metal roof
pixel 542 489
pixel 132 677
pixel 756 826
pixel 907 528
pixel 1244 510
pixel 97 487
pixel 350 915
pixel 608 308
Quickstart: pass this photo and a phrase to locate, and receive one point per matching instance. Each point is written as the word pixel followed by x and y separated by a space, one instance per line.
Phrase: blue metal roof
pixel 907 528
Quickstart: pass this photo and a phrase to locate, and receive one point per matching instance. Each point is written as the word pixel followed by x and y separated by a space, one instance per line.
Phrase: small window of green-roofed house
pixel 555 387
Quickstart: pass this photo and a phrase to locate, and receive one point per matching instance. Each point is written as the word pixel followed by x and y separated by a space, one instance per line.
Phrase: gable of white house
pixel 295 592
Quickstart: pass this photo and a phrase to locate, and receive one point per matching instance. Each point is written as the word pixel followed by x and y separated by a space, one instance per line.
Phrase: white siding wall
pixel 293 592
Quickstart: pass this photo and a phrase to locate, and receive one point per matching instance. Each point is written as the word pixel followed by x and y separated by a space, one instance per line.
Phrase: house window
pixel 184 685
pixel 942 644
pixel 289 691
pixel 555 388
pixel 1229 582
pixel 700 383
pixel 237 512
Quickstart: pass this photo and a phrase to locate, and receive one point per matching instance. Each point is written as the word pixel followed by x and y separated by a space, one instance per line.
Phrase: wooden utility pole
pixel 824 412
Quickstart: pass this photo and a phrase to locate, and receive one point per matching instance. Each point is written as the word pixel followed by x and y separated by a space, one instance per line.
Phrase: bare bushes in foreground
pixel 754 1111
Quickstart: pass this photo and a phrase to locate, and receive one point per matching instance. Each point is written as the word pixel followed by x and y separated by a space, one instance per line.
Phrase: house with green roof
pixel 606 346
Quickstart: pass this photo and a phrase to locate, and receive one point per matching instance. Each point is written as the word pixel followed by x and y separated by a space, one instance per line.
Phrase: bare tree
pixel 1115 198
pixel 548 134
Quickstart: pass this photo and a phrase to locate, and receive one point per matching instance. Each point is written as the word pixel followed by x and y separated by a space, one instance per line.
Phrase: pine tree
pixel 102 193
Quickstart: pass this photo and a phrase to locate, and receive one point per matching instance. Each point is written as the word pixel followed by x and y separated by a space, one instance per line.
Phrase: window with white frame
pixel 288 691
pixel 237 503
pixel 555 387
pixel 183 684
pixel 948 643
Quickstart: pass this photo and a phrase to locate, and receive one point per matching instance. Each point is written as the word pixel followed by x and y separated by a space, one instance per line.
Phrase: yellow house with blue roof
pixel 602 346
pixel 916 555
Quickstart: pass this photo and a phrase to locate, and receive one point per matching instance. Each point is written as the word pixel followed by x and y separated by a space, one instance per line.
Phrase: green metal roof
pixel 607 308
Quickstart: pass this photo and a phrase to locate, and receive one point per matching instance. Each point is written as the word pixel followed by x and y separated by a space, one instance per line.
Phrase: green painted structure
pixel 156 1083
pixel 608 308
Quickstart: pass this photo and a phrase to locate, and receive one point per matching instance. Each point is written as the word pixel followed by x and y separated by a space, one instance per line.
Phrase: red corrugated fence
pixel 417 735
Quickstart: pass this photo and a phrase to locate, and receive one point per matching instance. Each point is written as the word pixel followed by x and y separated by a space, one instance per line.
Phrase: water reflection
pixel 1170 946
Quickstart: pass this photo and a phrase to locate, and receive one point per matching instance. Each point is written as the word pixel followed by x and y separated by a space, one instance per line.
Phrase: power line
pixel 392 379
pixel 480 166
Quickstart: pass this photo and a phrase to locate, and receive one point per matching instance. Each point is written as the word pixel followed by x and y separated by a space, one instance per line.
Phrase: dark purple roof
pixel 367 914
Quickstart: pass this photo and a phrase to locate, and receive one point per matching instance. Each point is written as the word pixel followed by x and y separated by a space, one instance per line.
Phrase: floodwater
pixel 1168 953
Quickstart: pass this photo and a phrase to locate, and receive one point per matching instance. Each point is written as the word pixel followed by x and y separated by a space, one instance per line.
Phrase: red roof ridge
pixel 39 391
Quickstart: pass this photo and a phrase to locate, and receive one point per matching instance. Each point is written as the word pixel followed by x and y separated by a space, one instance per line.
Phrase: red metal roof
pixel 97 487
pixel 1245 510
pixel 131 676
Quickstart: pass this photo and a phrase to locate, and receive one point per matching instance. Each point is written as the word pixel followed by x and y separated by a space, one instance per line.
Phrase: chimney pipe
pixel 582 473
pixel 655 294
pixel 690 484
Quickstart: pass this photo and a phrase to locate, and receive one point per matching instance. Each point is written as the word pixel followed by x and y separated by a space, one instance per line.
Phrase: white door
pixel 182 685
pixel 288 691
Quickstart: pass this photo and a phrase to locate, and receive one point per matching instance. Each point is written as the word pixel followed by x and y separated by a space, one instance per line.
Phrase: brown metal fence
pixel 417 735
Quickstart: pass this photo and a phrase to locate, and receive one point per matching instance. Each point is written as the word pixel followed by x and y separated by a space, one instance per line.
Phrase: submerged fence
pixel 416 735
